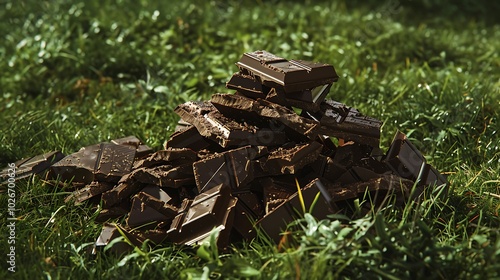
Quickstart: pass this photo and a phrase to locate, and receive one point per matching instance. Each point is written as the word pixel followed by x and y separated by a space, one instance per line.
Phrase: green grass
pixel 74 74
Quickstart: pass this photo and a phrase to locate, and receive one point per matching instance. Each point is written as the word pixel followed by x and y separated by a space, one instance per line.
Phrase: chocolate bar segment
pixel 347 123
pixel 114 161
pixel 91 190
pixel 105 162
pixel 278 219
pixel 188 137
pixel 33 165
pixel 292 75
pixel 247 108
pixel 164 175
pixel 141 149
pixel 232 168
pixel 212 209
pixel 247 85
pixel 404 158
pixel 126 187
pixel 291 160
pixel 226 131
pixel 150 205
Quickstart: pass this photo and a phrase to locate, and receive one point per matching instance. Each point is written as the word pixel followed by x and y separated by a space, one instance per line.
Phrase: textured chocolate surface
pixel 291 75
pixel 30 166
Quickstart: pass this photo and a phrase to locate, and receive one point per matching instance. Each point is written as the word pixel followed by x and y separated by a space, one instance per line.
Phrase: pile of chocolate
pixel 254 159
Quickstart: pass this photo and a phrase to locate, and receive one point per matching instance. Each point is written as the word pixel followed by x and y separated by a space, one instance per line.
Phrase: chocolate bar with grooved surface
pixel 103 162
pixel 232 168
pixel 306 99
pixel 290 75
pixel 209 210
pixel 343 122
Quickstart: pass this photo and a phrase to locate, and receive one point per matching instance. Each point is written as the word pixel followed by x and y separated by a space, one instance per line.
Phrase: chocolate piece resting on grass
pixel 34 165
pixel 104 162
pixel 237 162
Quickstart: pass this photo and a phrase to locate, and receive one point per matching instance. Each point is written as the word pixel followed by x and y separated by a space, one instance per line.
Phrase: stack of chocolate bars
pixel 239 162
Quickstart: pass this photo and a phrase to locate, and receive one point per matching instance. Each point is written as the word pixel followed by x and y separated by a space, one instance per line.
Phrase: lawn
pixel 74 74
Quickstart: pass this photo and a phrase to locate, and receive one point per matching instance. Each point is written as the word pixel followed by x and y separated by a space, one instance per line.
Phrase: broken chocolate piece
pixel 187 138
pixel 93 189
pixel 125 188
pixel 247 108
pixel 157 199
pixel 226 131
pixel 293 75
pixel 289 161
pixel 404 158
pixel 114 161
pixel 209 210
pixel 33 165
pixel 165 175
pixel 278 219
pixel 149 206
pixel 343 122
pixel 247 85
pixel 141 149
pixel 104 162
pixel 110 232
pixel 232 168
pixel 388 182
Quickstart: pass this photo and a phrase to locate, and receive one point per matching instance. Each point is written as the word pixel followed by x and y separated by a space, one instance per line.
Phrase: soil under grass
pixel 75 74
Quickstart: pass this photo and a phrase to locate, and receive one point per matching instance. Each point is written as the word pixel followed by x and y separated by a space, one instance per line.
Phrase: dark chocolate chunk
pixel 149 207
pixel 276 221
pixel 209 210
pixel 252 202
pixel 114 161
pixel 293 75
pixel 387 182
pixel 281 98
pixel 232 168
pixel 343 122
pixel 165 175
pixel 247 85
pixel 125 188
pixel 290 161
pixel 28 166
pixel 173 156
pixel 187 138
pixel 105 162
pixel 231 104
pixel 110 232
pixel 404 158
pixel 142 150
pixel 93 189
pixel 226 131
pixel 157 199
